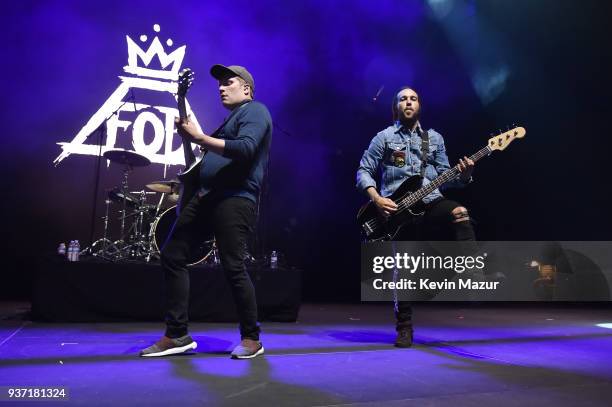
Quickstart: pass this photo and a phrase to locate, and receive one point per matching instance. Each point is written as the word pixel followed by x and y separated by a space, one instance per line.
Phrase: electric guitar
pixel 409 196
pixel 190 175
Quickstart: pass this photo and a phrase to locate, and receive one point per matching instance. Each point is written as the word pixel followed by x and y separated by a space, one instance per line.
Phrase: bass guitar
pixel 409 196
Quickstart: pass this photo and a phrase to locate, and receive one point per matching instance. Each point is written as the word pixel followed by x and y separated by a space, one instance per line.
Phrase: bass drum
pixel 161 229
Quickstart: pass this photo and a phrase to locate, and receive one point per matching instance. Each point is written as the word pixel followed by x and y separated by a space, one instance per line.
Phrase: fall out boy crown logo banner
pixel 159 119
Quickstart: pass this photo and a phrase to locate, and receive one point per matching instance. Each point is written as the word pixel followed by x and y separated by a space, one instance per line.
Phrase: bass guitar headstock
pixel 502 140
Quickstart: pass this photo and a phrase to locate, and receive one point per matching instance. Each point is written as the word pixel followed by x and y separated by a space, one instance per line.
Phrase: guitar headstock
pixel 185 79
pixel 502 140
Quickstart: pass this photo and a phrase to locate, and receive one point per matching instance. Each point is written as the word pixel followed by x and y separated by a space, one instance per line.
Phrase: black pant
pixel 436 224
pixel 232 221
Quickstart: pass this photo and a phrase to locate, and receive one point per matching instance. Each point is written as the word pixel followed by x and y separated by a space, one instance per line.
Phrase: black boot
pixel 404 337
pixel 403 324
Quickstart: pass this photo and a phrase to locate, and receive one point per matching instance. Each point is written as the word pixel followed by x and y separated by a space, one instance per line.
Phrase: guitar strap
pixel 227 119
pixel 424 151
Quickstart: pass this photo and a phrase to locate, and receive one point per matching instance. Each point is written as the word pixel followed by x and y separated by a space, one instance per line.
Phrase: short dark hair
pixel 394 112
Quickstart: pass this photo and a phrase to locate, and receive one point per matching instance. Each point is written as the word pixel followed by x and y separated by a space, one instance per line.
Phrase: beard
pixel 409 119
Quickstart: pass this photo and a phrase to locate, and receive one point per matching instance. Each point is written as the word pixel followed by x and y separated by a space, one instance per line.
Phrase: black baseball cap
pixel 221 72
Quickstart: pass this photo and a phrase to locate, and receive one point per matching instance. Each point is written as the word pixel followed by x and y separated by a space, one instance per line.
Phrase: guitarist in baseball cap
pixel 230 181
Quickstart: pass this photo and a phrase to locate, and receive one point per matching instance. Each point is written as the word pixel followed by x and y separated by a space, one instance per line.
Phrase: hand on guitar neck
pixel 466 168
pixel 189 131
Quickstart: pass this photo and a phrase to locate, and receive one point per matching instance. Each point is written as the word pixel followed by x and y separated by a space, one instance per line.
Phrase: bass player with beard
pixel 397 153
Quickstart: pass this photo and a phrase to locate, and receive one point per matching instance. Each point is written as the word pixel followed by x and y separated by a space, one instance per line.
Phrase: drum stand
pixel 212 256
pixel 140 246
pixel 104 247
pixel 118 249
pixel 124 189
pixel 151 240
pixel 126 246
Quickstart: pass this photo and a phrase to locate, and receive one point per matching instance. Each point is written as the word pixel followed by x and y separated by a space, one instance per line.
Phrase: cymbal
pixel 165 187
pixel 126 157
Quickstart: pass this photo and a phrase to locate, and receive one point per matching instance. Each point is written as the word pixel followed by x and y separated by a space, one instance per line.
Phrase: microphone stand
pixel 101 130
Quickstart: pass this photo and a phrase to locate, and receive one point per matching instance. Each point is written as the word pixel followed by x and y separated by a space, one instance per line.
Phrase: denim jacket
pixel 396 152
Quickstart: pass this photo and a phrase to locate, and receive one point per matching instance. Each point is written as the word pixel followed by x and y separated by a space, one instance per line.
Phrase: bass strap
pixel 424 151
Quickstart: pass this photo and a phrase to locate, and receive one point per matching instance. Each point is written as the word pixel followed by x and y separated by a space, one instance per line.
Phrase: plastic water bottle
pixel 73 251
pixel 70 251
pixel 77 250
pixel 61 250
pixel 273 259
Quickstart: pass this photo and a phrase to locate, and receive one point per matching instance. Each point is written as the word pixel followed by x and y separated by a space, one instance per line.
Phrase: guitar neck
pixel 187 151
pixel 448 175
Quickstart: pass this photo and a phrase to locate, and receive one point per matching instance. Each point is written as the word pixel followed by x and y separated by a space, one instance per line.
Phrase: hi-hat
pixel 126 157
pixel 165 187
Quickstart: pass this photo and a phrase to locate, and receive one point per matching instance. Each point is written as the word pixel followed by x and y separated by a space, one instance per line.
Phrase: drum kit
pixel 143 227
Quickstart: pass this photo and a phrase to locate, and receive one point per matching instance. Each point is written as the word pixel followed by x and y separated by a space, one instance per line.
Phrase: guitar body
pixel 190 176
pixel 190 181
pixel 376 227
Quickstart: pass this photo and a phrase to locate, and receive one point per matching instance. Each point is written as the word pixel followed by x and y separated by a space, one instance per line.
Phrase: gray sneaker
pixel 247 349
pixel 169 346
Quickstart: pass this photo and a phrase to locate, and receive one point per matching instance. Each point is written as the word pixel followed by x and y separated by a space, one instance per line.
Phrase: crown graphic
pixel 139 60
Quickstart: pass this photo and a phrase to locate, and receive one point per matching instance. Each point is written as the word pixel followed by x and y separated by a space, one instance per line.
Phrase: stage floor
pixel 478 355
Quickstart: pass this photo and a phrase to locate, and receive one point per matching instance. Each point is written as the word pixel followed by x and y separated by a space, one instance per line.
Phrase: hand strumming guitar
pixel 384 205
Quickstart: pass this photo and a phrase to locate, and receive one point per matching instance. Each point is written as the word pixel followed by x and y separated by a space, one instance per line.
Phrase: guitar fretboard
pixel 412 198
pixel 187 149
